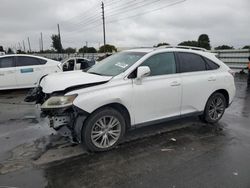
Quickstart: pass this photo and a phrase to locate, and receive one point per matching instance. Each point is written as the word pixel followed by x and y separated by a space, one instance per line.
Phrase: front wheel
pixel 215 108
pixel 103 130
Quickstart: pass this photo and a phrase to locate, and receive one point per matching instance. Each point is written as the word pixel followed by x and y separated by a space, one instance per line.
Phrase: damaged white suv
pixel 133 88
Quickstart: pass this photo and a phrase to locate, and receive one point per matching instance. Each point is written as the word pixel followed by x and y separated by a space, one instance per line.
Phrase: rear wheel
pixel 103 130
pixel 215 108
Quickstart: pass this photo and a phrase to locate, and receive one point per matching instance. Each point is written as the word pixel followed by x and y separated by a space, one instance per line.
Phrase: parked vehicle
pixel 77 63
pixel 24 71
pixel 135 88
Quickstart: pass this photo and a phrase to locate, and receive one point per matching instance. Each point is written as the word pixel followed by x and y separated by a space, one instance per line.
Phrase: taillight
pixel 231 72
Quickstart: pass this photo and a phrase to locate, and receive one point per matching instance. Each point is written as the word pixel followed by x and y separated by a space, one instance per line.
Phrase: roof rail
pixel 182 47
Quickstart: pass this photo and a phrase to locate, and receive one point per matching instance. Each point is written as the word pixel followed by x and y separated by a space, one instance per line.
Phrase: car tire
pixel 103 130
pixel 215 108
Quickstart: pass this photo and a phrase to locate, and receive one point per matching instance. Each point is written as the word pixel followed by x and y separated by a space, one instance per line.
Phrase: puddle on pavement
pixel 56 149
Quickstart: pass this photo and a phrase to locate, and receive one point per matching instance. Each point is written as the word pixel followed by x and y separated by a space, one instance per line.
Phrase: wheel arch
pixel 225 93
pixel 81 119
pixel 120 108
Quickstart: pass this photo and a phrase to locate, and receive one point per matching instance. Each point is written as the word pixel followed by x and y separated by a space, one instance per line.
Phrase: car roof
pixel 145 50
pixel 198 51
pixel 23 55
pixel 170 49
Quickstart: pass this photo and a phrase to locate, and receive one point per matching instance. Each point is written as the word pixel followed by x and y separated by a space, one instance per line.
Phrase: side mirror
pixel 142 72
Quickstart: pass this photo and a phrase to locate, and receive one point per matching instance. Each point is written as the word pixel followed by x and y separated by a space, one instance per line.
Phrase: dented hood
pixel 64 80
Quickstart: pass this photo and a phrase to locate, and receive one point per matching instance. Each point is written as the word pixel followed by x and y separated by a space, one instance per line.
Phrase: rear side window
pixel 210 64
pixel 42 61
pixel 190 62
pixel 160 64
pixel 6 62
pixel 29 61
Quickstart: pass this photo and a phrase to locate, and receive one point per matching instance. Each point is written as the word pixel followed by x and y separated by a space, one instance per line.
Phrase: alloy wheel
pixel 216 108
pixel 106 132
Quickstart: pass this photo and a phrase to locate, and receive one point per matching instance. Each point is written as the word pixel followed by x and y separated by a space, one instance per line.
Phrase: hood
pixel 64 80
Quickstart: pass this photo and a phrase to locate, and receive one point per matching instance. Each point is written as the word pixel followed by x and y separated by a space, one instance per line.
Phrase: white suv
pixel 134 88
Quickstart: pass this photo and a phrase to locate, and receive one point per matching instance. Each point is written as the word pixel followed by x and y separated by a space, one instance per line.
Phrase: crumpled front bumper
pixel 67 122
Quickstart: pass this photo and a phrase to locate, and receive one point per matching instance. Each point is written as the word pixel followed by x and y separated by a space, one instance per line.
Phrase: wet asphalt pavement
pixel 182 153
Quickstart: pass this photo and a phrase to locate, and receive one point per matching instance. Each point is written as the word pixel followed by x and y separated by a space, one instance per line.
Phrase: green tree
pixel 189 43
pixel 161 44
pixel 1 49
pixel 224 47
pixel 204 42
pixel 10 51
pixel 92 50
pixel 86 49
pixel 56 43
pixel 70 50
pixel 107 48
pixel 246 47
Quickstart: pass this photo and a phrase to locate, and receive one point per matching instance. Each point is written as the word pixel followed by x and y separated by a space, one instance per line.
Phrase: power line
pixel 96 19
pixel 81 15
pixel 129 8
pixel 125 9
pixel 146 12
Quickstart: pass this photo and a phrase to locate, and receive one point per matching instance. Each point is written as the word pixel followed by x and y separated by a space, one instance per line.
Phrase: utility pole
pixel 86 44
pixel 41 41
pixel 23 46
pixel 29 44
pixel 20 47
pixel 103 23
pixel 59 35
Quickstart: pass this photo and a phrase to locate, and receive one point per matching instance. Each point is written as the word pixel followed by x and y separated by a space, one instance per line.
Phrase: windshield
pixel 116 64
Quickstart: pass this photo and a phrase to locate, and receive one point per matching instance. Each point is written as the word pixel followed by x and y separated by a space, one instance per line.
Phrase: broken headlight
pixel 59 101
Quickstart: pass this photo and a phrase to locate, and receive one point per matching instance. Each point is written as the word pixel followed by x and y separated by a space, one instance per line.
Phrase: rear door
pixel 198 82
pixel 28 71
pixel 7 73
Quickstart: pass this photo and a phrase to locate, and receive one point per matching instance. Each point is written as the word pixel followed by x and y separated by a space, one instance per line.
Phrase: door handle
pixel 212 78
pixel 175 83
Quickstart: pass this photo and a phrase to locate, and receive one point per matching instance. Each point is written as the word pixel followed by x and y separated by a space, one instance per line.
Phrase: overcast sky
pixel 225 21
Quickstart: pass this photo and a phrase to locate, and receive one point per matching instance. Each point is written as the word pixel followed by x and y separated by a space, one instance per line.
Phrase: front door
pixel 158 96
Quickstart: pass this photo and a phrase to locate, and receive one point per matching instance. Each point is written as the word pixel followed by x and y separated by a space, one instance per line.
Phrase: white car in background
pixel 135 88
pixel 76 63
pixel 25 71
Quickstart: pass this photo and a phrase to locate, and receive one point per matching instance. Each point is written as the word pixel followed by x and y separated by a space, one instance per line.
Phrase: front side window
pixel 190 62
pixel 160 64
pixel 27 61
pixel 116 64
pixel 6 62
